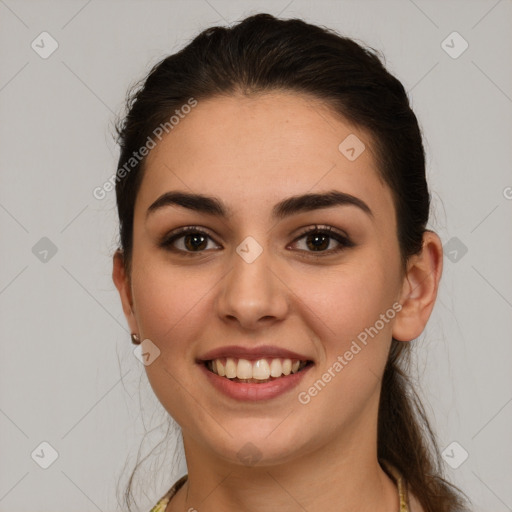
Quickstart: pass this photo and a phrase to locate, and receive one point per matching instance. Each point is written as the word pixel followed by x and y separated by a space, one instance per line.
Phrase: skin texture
pixel 252 152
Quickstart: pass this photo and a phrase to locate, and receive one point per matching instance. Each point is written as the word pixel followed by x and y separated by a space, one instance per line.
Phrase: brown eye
pixel 320 239
pixel 187 240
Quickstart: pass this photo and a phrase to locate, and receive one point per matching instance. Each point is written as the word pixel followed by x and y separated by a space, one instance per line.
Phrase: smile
pixel 257 371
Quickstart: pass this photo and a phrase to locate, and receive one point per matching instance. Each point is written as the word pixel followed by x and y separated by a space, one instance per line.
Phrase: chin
pixel 261 445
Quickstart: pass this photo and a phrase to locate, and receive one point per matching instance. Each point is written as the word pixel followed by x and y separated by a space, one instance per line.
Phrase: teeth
pixel 276 368
pixel 221 369
pixel 230 368
pixel 260 370
pixel 244 369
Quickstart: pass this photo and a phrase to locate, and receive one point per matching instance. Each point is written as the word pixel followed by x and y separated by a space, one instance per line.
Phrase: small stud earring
pixel 135 339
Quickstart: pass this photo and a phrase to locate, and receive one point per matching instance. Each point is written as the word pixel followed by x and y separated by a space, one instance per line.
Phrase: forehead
pixel 261 148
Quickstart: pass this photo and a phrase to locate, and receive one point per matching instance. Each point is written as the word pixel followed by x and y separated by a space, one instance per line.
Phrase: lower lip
pixel 251 391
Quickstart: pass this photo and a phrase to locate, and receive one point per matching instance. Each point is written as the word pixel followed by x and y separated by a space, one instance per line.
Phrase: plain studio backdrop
pixel 74 400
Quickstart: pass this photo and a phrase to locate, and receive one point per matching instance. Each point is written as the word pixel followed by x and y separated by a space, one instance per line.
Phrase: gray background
pixel 68 375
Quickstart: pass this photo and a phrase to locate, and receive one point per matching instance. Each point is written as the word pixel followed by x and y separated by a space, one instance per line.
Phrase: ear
pixel 419 289
pixel 123 284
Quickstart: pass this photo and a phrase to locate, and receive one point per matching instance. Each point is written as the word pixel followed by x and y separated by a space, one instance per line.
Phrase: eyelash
pixel 343 240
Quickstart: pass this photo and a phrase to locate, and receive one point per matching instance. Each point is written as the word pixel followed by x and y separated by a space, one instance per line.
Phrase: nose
pixel 252 293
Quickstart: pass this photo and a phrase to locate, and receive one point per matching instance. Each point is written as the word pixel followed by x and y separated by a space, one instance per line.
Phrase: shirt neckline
pixel 390 470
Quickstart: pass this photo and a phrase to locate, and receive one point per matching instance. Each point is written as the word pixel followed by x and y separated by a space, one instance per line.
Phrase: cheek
pixel 170 304
pixel 172 311
pixel 344 310
pixel 348 299
pixel 354 305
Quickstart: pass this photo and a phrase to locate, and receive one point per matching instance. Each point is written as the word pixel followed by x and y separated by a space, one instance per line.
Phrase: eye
pixel 318 239
pixel 191 239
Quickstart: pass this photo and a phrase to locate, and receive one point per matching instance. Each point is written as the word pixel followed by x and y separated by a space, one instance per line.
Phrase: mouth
pixel 256 371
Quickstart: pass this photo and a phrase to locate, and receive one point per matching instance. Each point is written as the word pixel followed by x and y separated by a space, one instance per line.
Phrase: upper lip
pixel 252 353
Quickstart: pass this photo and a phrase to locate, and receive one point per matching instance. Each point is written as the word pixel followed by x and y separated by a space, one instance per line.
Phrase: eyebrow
pixel 286 208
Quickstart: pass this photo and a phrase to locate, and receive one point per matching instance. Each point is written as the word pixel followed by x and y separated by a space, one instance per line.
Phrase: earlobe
pixel 419 290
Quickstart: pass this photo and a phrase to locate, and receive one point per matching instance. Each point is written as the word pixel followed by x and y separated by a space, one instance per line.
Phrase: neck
pixel 332 479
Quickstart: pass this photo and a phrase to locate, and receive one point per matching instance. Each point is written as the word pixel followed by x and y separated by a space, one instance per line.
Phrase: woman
pixel 275 265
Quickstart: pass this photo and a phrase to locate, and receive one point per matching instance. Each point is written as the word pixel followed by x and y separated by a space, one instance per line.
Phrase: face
pixel 316 294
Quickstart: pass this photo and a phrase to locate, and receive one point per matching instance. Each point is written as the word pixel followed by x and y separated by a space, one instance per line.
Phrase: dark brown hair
pixel 263 54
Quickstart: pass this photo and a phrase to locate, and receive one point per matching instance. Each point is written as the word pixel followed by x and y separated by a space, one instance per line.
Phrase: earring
pixel 135 339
